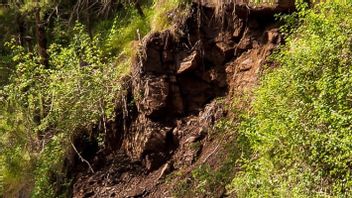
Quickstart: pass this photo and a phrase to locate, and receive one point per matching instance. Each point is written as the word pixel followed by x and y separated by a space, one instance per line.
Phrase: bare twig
pixel 47 21
pixel 82 159
pixel 101 104
pixel 210 154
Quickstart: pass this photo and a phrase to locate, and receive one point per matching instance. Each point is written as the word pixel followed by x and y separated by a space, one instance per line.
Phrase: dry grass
pixel 220 4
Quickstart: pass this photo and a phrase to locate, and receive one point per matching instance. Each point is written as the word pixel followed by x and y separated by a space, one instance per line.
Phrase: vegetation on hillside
pixel 299 128
pixel 60 70
pixel 295 138
pixel 45 103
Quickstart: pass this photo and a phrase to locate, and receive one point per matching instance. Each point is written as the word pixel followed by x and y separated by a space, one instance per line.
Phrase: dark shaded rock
pixel 155 92
pixel 177 104
pixel 195 91
pixel 245 44
pixel 214 55
pixel 158 51
pixel 148 141
pixel 168 56
pixel 226 50
pixel 153 64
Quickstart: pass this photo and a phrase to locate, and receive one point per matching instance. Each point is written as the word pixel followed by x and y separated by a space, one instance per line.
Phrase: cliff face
pixel 181 82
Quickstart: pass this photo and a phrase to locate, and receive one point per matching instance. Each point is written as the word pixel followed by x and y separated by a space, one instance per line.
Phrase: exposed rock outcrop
pixel 171 104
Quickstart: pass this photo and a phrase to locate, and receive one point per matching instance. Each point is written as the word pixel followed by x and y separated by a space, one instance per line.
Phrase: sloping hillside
pixel 201 98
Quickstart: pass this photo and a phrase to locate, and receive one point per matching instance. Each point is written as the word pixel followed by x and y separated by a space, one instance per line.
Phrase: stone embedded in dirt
pixel 274 36
pixel 245 43
pixel 189 63
pixel 211 113
pixel 193 131
pixel 226 49
pixel 246 65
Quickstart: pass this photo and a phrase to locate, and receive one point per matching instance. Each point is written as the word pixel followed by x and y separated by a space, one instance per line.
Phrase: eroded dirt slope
pixel 181 83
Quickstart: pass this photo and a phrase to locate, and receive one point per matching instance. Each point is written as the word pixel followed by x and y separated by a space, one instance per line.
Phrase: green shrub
pixel 42 109
pixel 48 167
pixel 51 105
pixel 301 126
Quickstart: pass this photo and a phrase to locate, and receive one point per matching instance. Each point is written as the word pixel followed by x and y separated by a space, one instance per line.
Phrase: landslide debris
pixel 179 87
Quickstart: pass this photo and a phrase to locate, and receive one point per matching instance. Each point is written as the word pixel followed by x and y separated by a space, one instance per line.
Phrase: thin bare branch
pixel 82 159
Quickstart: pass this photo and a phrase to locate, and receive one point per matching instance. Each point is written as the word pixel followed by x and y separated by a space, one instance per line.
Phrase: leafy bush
pixel 41 109
pixel 44 105
pixel 300 127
